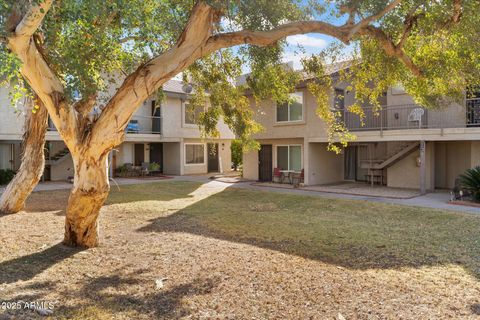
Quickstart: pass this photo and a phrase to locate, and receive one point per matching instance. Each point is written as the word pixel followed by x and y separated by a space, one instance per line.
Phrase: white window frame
pixel 185 154
pixel 292 121
pixel 289 145
pixel 184 111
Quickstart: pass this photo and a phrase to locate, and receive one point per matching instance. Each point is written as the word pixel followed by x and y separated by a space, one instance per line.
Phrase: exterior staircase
pixel 58 157
pixel 376 167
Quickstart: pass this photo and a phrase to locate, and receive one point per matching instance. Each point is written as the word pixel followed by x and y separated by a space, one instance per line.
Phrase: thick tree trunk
pixel 33 162
pixel 90 189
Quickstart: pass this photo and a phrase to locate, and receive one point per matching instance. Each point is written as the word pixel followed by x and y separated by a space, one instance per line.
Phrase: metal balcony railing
pixel 137 125
pixel 145 125
pixel 473 112
pixel 412 116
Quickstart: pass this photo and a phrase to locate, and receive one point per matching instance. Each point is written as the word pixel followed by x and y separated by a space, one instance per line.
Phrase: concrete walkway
pixel 438 200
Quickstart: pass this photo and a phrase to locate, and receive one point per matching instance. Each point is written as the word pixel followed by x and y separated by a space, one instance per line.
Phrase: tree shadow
pixel 27 267
pixel 105 294
pixel 348 233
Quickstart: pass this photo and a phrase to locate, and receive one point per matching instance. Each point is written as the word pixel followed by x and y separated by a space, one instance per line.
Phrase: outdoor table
pixel 286 174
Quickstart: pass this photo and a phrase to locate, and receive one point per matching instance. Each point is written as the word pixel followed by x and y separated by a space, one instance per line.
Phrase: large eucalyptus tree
pixel 67 48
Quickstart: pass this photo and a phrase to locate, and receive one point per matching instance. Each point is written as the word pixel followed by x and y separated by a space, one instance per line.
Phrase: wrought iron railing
pixel 137 125
pixel 412 116
pixel 473 112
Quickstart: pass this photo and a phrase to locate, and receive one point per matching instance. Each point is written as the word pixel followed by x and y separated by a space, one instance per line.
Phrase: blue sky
pixel 311 43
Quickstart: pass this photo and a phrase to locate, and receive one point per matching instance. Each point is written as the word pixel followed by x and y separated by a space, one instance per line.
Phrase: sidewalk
pixel 437 200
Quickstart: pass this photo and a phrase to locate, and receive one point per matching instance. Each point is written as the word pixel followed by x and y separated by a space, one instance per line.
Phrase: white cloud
pixel 306 41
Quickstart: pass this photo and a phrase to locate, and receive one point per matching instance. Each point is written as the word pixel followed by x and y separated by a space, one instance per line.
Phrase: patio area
pixel 352 188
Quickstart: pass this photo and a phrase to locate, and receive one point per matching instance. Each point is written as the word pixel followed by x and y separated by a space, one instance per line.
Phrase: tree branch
pixel 149 77
pixel 366 21
pixel 38 74
pixel 391 49
pixel 196 41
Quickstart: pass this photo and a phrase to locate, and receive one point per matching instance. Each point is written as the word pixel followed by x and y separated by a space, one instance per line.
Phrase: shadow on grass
pixel 27 267
pixel 104 296
pixel 348 233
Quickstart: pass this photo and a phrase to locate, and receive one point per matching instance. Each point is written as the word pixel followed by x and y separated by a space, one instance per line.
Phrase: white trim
pixel 184 124
pixel 301 121
pixel 185 154
pixel 289 145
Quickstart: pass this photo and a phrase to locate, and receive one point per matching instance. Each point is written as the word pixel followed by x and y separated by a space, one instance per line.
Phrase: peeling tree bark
pixel 90 189
pixel 33 162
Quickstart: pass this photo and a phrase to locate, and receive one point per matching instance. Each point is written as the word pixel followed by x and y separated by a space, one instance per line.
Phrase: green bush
pixel 237 153
pixel 6 175
pixel 470 181
pixel 154 166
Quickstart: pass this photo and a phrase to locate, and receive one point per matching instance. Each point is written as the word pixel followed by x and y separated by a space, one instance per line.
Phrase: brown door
pixel 212 149
pixel 156 154
pixel 139 154
pixel 265 163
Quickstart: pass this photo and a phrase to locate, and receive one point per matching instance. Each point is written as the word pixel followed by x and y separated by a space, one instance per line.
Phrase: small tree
pixel 65 49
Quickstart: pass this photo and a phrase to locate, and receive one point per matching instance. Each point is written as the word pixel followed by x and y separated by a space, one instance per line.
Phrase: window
pixel 289 158
pixel 292 110
pixel 191 115
pixel 339 101
pixel 194 153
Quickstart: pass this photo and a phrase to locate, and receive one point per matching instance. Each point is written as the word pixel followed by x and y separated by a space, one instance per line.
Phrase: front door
pixel 156 154
pixel 212 149
pixel 139 154
pixel 350 163
pixel 265 163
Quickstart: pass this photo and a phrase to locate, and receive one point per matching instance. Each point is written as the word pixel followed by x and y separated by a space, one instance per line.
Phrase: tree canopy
pixel 429 47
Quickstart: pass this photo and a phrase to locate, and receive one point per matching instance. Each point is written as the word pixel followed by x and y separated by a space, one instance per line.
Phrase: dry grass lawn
pixel 240 254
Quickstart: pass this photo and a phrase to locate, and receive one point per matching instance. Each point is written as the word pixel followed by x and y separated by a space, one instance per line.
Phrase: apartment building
pixel 166 134
pixel 404 145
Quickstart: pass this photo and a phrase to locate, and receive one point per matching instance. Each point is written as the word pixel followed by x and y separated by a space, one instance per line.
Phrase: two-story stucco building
pixel 404 146
pixel 164 133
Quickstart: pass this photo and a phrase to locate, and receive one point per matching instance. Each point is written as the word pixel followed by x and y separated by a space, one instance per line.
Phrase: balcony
pixel 144 125
pixel 412 116
pixel 137 125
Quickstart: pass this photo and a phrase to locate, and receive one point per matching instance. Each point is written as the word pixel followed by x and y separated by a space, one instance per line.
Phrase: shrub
pixel 6 175
pixel 237 153
pixel 470 181
pixel 154 166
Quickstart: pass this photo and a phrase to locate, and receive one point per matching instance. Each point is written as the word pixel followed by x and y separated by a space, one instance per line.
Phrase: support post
pixel 423 169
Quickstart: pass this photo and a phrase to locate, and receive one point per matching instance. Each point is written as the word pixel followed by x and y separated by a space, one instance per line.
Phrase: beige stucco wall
pixel 250 165
pixel 406 174
pixel 475 154
pixel 323 166
pixel 452 159
pixel 124 154
pixel 173 122
pixel 11 122
pixel 63 170
pixel 171 158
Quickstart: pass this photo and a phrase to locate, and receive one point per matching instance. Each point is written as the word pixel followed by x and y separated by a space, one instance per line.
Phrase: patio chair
pixel 277 175
pixel 129 167
pixel 145 170
pixel 297 178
